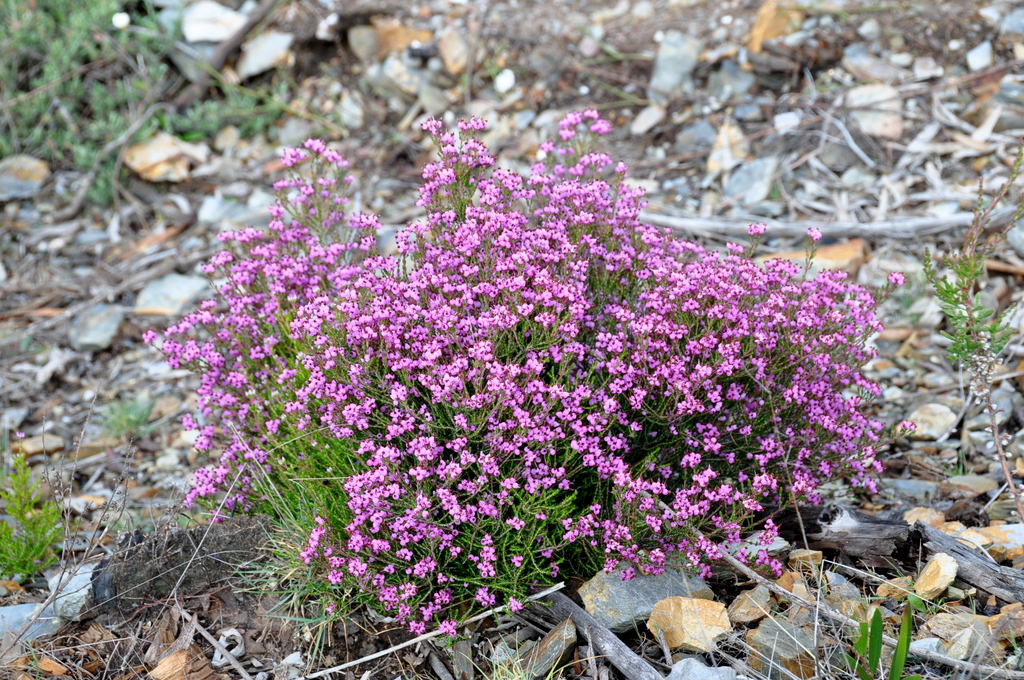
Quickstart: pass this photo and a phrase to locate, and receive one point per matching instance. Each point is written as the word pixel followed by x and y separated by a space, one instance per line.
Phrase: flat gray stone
pixel 677 57
pixel 363 41
pixel 699 136
pixel 782 646
pixel 1011 29
pixel 752 181
pixel 169 295
pixel 95 328
pixel 730 82
pixel 692 669
pixel 14 617
pixel 623 605
pixel 264 52
pixel 74 594
pixel 21 176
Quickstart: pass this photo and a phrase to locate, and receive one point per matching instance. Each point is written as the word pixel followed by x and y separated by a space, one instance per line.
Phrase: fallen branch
pixel 979 571
pixel 909 227
pixel 602 640
pixel 421 638
pixel 973 669
pixel 220 57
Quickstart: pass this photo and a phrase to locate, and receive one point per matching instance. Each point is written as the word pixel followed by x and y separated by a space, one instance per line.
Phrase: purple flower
pixel 897 278
pixel 531 348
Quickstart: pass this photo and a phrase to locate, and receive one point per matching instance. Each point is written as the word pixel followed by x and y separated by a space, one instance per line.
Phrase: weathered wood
pixel 604 642
pixel 835 527
pixel 978 570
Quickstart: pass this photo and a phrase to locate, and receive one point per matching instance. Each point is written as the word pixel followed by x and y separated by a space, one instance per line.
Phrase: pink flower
pixel 814 234
pixel 897 278
pixel 756 229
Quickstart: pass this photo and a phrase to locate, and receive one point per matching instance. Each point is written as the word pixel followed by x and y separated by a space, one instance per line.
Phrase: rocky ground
pixel 879 123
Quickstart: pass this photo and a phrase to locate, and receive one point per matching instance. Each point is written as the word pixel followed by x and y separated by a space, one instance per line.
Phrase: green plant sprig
pixel 978 334
pixel 27 546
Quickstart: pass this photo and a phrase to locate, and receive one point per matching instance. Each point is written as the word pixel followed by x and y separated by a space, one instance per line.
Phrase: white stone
pixel 981 57
pixel 505 81
pixel 208 21
pixel 264 52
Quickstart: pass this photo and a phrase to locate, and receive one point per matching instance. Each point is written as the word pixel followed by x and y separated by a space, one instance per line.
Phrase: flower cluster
pixel 536 380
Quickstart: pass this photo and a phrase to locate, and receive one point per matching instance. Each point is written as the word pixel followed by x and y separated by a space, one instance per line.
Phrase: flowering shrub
pixel 536 380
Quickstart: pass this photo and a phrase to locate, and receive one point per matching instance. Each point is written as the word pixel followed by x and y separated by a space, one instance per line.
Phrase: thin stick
pixel 425 636
pixel 829 613
pixel 910 227
pixel 194 621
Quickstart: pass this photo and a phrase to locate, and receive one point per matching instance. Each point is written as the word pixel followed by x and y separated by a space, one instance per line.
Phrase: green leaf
pixel 899 657
pixel 875 641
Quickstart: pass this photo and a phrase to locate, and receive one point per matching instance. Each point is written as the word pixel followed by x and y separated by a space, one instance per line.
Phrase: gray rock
pixel 1006 401
pixel 433 99
pixel 169 295
pixel 74 594
pixel 981 57
pixel 677 57
pixel 876 109
pixel 930 644
pixel 859 61
pixel 699 136
pixel 21 176
pixel 919 491
pixel 749 113
pixel 454 49
pixel 858 177
pixel 350 110
pixel 692 669
pixel 95 328
pixel 933 421
pixel 926 68
pixel 295 131
pixel 362 40
pixel 1011 97
pixel 11 418
pixel 648 117
pixel 622 605
pixel 1015 237
pixel 870 30
pixel 1011 29
pixel 781 646
pixel 991 15
pixel 14 617
pixel 838 157
pixel 752 181
pixel 730 82
pixel 264 52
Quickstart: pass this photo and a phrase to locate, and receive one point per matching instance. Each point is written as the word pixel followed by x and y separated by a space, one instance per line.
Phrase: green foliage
pixel 977 332
pixel 867 659
pixel 127 419
pixel 70 83
pixel 27 547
